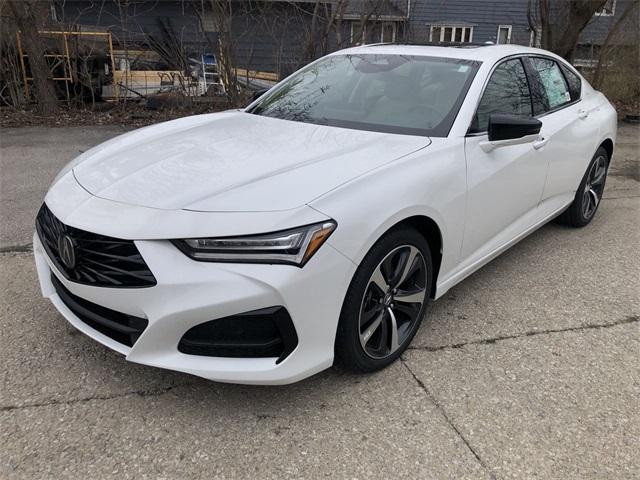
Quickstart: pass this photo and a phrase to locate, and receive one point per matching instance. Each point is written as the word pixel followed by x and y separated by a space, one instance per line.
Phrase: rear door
pixel 505 184
pixel 569 128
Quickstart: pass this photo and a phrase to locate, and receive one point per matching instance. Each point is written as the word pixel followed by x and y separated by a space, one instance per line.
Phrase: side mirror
pixel 512 127
pixel 505 130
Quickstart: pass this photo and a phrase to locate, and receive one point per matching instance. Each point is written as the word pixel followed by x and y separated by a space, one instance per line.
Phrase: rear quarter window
pixel 574 81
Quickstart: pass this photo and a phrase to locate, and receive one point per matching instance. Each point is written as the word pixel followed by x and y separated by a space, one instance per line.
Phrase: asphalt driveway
pixel 530 368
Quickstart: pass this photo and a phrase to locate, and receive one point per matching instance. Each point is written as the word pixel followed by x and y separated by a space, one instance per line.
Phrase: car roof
pixel 481 52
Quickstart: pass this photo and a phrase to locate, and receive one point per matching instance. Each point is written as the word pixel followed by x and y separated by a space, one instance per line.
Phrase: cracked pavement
pixel 528 368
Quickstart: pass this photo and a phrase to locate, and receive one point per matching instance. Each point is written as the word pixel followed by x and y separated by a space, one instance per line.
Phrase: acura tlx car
pixel 264 244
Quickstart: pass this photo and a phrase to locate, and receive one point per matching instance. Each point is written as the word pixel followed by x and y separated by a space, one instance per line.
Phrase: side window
pixel 553 83
pixel 507 92
pixel 575 84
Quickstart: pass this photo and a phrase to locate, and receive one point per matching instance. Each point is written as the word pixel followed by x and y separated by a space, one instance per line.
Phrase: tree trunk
pixel 310 50
pixel 547 32
pixel 561 22
pixel 223 16
pixel 580 14
pixel 24 14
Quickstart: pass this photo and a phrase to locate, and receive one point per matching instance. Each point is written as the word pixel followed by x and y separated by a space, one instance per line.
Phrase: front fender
pixel 429 183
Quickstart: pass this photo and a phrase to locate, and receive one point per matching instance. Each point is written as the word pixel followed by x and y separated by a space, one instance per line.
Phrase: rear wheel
pixel 385 302
pixel 587 199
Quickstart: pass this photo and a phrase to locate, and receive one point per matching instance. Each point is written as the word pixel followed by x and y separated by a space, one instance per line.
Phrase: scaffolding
pixel 60 60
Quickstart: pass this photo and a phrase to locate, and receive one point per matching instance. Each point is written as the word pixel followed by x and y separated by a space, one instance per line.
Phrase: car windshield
pixel 413 95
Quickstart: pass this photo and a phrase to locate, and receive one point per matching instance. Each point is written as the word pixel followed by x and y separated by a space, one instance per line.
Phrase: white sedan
pixel 262 245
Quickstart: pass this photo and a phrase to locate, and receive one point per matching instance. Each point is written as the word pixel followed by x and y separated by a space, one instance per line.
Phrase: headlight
pixel 294 247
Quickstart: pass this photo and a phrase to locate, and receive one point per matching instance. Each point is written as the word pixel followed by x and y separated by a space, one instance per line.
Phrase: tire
pixel 390 287
pixel 589 193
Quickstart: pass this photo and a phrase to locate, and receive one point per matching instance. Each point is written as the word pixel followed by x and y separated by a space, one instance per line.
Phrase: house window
pixel 358 33
pixel 384 32
pixel 451 34
pixel 608 9
pixel 504 34
pixel 207 23
pixel 388 32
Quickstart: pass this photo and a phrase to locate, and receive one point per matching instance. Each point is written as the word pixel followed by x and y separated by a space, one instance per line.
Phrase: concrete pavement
pixel 529 368
pixel 29 160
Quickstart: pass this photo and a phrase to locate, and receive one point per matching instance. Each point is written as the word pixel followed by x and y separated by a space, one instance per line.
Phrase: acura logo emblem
pixel 67 251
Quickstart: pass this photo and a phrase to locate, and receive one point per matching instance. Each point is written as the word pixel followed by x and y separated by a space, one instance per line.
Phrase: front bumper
pixel 189 293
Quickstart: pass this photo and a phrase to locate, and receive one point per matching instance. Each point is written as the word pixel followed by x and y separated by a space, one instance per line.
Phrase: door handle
pixel 582 113
pixel 541 142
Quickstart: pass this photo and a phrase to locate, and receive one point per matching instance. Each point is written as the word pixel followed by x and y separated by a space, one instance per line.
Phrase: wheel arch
pixel 607 144
pixel 432 233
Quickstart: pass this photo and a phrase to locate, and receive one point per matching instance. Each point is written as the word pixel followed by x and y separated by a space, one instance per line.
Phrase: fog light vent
pixel 268 332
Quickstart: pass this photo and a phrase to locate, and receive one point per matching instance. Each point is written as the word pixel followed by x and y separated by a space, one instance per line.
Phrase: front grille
pixel 118 326
pixel 99 260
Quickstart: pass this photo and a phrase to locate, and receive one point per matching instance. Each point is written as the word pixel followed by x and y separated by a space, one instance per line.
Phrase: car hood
pixel 234 161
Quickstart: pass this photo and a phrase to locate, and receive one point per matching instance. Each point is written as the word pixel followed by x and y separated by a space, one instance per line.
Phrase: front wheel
pixel 385 302
pixel 587 199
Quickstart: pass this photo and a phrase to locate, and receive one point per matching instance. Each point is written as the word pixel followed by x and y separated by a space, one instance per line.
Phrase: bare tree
pixel 26 14
pixel 558 23
pixel 336 20
pixel 169 45
pixel 222 13
pixel 291 33
pixel 11 91
pixel 329 19
pixel 369 12
pixel 310 49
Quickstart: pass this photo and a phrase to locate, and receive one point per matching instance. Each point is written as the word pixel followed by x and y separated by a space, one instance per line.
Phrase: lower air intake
pixel 268 332
pixel 118 326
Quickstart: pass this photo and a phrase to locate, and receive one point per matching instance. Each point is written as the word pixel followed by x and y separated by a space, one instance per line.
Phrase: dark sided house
pixel 267 35
pixel 278 36
pixel 466 21
pixel 508 21
pixel 488 21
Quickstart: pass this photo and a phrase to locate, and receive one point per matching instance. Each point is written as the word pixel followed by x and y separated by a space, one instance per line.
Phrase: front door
pixel 505 184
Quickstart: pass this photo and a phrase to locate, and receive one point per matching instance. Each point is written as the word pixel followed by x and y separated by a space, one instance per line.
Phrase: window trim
pixel 524 58
pixel 509 29
pixel 363 33
pixel 535 36
pixel 535 83
pixel 564 69
pixel 393 34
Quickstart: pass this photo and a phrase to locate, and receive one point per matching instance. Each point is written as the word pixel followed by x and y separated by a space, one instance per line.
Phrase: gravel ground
pixel 529 368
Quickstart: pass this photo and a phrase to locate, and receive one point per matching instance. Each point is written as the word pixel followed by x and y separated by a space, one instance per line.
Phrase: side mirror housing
pixel 511 127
